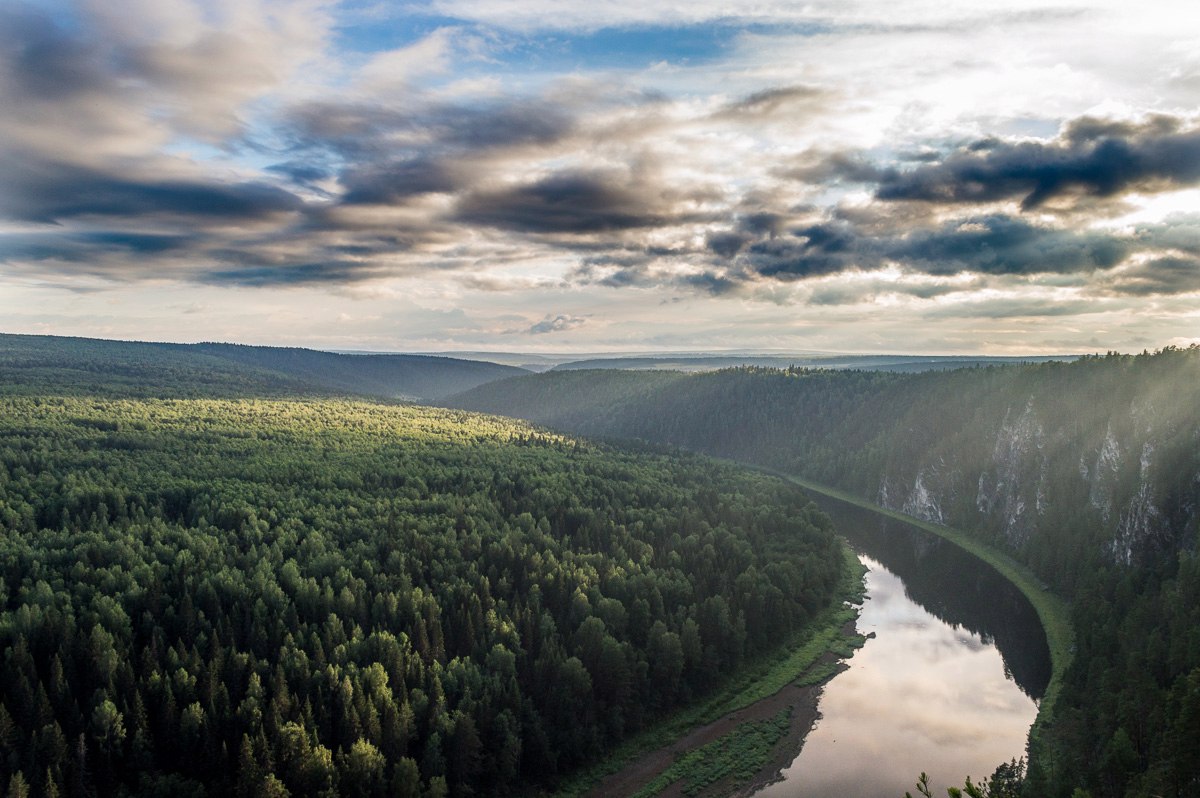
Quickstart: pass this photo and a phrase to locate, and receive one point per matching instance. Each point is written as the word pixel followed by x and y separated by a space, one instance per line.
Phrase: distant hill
pixel 704 362
pixel 712 361
pixel 404 376
pixel 52 364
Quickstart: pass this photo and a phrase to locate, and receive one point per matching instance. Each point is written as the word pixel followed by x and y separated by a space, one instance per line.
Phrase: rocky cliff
pixel 1029 467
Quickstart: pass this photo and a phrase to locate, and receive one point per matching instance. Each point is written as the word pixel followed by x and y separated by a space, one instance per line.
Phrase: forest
pixel 1087 471
pixel 319 597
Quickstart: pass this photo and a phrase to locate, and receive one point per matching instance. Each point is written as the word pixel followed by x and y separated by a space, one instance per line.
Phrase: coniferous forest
pixel 1088 472
pixel 218 580
pixel 320 597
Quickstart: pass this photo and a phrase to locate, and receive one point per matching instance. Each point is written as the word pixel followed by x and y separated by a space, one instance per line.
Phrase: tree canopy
pixel 322 597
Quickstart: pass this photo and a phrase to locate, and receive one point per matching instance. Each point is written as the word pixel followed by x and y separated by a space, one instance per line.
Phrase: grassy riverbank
pixel 1053 612
pixel 801 661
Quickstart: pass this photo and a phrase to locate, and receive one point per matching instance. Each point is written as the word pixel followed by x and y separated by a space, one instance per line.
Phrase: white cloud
pixel 388 71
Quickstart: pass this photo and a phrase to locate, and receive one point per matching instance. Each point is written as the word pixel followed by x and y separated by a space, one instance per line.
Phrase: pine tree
pixel 18 787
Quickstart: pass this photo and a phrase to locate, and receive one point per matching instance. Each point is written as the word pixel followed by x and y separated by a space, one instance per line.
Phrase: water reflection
pixel 954 586
pixel 946 686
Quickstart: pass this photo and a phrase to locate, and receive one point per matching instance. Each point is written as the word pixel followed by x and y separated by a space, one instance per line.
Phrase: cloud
pixel 1006 245
pixel 980 245
pixel 747 228
pixel 783 100
pixel 1015 307
pixel 47 191
pixel 84 247
pixel 374 129
pixel 1179 233
pixel 91 75
pixel 811 18
pixel 571 202
pixel 42 63
pixel 726 243
pixel 811 251
pixel 560 323
pixel 398 180
pixel 301 172
pixel 1094 158
pixel 291 274
pixel 825 167
pixel 175 140
pixel 394 68
pixel 1153 277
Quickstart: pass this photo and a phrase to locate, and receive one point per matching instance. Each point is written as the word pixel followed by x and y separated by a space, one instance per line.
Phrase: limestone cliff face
pixel 922 498
pixel 1104 473
pixel 1024 466
pixel 1141 521
pixel 1012 487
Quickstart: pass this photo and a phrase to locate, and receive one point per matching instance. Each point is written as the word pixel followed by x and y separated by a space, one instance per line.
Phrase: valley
pixel 1087 473
pixel 329 594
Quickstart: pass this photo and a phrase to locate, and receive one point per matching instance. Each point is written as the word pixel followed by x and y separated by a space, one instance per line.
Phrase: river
pixel 948 684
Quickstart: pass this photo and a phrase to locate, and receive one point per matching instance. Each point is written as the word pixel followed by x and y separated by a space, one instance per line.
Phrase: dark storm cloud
pixel 711 282
pixel 1091 128
pixel 568 202
pixel 50 192
pixel 1093 158
pixel 1005 245
pixel 297 274
pixel 763 223
pixel 83 247
pixel 389 182
pixel 812 251
pixel 727 243
pixel 393 155
pixel 997 245
pixel 747 229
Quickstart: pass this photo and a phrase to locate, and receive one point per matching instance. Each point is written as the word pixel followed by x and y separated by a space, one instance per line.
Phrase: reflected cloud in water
pixel 948 685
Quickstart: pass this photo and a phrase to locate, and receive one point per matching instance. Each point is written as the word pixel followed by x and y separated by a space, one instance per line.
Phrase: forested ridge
pixel 44 364
pixel 319 597
pixel 1088 471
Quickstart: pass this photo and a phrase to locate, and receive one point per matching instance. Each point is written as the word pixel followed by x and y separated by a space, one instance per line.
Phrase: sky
pixel 987 177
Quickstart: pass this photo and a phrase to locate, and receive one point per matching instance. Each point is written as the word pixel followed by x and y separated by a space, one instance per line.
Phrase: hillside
pixel 316 597
pixel 700 362
pixel 1087 471
pixel 32 364
pixel 393 376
